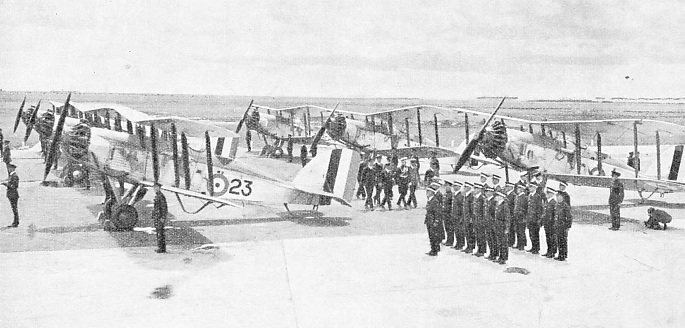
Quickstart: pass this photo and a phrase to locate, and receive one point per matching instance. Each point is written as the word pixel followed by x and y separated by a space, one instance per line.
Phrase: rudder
pixel 333 171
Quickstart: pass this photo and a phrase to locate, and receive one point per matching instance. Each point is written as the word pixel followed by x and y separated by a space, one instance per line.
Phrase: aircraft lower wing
pixel 638 184
pixel 193 194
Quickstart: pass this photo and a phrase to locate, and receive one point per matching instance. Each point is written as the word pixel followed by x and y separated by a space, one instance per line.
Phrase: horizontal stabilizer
pixel 638 184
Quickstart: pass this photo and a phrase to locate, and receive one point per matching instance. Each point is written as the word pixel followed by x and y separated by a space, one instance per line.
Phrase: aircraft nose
pixel 495 140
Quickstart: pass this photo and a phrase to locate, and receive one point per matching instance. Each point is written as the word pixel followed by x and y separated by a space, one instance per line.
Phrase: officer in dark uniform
pixel 402 180
pixel 159 214
pixel 478 218
pixel 303 155
pixel 360 191
pixel 433 221
pixel 548 223
pixel 413 182
pixel 378 168
pixel 616 194
pixel 369 182
pixel 458 214
pixel 510 191
pixel 562 223
pixel 502 224
pixel 289 148
pixel 534 216
pixel 387 182
pixel 520 212
pixel 448 219
pixel 468 219
pixel 562 190
pixel 12 185
pixel 489 216
pixel 248 140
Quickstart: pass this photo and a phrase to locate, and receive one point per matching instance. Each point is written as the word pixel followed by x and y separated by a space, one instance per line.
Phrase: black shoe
pixel 478 254
pixel 613 228
pixel 449 245
pixel 535 252
pixel 502 262
pixel 520 248
pixel 559 258
pixel 432 253
pixel 529 250
pixel 160 250
pixel 544 254
pixel 664 226
pixel 549 256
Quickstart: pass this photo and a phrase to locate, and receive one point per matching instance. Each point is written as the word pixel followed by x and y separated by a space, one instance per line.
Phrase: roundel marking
pixel 220 184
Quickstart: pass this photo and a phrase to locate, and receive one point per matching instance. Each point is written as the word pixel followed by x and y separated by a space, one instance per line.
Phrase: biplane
pixel 186 157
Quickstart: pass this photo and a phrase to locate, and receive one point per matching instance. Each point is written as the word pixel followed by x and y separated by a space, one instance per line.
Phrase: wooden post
pixel 437 135
pixel 658 156
pixel 599 154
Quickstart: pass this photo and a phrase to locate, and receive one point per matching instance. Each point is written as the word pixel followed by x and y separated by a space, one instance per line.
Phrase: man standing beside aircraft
pixel 303 155
pixel 548 223
pixel 478 207
pixel 533 215
pixel 562 191
pixel 520 212
pixel 433 220
pixel 402 182
pixel 7 155
pixel 248 140
pixel 413 182
pixel 489 215
pixel 159 214
pixel 378 168
pixel 502 218
pixel 468 218
pixel 616 194
pixel 458 214
pixel 449 220
pixel 510 191
pixel 12 185
pixel 289 148
pixel 562 223
pixel 387 182
pixel 369 182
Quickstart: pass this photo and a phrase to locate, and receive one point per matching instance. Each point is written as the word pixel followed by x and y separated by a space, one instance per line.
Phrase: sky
pixel 413 49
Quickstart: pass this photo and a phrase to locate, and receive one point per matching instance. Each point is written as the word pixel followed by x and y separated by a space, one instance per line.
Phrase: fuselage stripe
pixel 331 174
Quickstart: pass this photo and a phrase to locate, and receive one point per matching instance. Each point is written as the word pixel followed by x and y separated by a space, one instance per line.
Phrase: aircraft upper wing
pixel 125 112
pixel 639 184
pixel 190 127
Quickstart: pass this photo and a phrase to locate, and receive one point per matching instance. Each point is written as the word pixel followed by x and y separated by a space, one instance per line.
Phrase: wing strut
pixel 437 135
pixel 637 155
pixel 391 129
pixel 599 155
pixel 56 135
pixel 658 156
pixel 577 153
pixel 186 160
pixel 19 113
pixel 418 118
pixel 466 126
pixel 174 153
pixel 210 168
pixel 406 126
pixel 155 157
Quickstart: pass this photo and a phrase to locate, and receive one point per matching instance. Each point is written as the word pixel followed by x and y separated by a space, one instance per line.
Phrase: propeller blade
pixel 210 167
pixel 56 135
pixel 242 120
pixel 319 134
pixel 471 147
pixel 31 123
pixel 19 113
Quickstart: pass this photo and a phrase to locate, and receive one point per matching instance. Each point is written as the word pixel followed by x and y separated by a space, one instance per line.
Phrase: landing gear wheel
pixel 124 217
pixel 74 174
pixel 597 171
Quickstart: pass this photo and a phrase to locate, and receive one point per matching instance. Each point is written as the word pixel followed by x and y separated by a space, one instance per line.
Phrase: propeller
pixel 31 122
pixel 55 138
pixel 242 120
pixel 319 134
pixel 471 147
pixel 19 113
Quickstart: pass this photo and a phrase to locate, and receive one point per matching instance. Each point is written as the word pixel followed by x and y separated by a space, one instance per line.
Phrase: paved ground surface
pixel 350 268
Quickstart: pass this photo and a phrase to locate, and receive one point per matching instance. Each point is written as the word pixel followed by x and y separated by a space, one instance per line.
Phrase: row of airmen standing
pixel 478 217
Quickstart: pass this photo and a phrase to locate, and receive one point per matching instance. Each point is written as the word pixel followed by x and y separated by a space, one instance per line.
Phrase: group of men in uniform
pixel 482 218
pixel 375 178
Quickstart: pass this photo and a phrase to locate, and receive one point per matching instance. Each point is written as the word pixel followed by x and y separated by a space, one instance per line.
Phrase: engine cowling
pixel 77 141
pixel 494 141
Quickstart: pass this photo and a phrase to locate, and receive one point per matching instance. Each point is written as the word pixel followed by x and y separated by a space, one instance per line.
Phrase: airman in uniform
pixel 657 216
pixel 433 221
pixel 520 212
pixel 495 183
pixel 533 217
pixel 490 227
pixel 378 168
pixel 616 194
pixel 468 218
pixel 450 222
pixel 510 191
pixel 12 185
pixel 502 224
pixel 387 182
pixel 562 190
pixel 413 182
pixel 484 178
pixel 458 214
pixel 402 180
pixel 562 223
pixel 369 182
pixel 523 181
pixel 548 223
pixel 478 218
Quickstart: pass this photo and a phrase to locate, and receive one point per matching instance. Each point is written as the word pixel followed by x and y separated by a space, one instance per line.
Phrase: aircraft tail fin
pixel 333 171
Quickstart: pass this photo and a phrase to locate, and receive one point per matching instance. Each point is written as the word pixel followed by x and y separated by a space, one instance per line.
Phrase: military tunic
pixel 520 212
pixel 458 215
pixel 478 210
pixel 511 200
pixel 548 224
pixel 468 222
pixel 616 195
pixel 562 222
pixel 533 218
pixel 490 226
pixel 450 221
pixel 433 222
pixel 502 224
